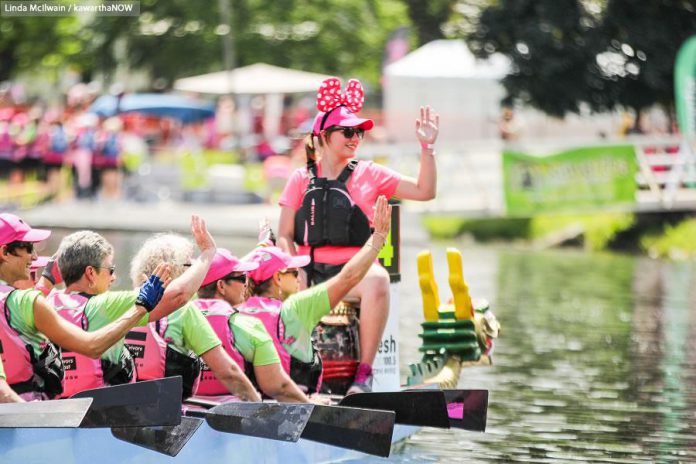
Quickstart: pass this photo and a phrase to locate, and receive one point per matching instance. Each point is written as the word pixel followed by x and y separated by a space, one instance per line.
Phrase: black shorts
pixel 320 272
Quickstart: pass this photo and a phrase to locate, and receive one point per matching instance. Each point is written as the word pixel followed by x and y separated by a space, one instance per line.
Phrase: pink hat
pixel 272 260
pixel 224 263
pixel 41 261
pixel 13 229
pixel 340 116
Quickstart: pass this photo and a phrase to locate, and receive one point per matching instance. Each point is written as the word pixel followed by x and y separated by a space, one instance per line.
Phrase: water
pixel 596 363
pixel 596 360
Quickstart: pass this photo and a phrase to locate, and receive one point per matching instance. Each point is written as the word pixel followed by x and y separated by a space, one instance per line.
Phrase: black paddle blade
pixel 153 402
pixel 467 409
pixel 426 408
pixel 277 421
pixel 364 430
pixel 58 413
pixel 167 440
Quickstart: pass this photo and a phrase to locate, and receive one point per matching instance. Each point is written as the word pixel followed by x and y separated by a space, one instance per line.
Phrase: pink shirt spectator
pixel 368 181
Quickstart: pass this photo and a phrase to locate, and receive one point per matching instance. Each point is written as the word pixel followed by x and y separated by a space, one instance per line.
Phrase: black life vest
pixel 188 367
pixel 307 375
pixel 328 215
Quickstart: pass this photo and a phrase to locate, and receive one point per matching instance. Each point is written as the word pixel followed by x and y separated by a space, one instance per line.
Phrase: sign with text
pixel 579 179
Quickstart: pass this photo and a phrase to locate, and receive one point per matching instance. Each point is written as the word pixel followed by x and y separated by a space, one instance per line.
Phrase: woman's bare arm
pixel 277 384
pixel 181 289
pixel 286 230
pixel 229 373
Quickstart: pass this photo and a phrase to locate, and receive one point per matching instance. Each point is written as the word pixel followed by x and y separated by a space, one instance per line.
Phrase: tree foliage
pixel 641 40
pixel 39 43
pixel 547 43
pixel 428 18
pixel 179 38
pixel 605 54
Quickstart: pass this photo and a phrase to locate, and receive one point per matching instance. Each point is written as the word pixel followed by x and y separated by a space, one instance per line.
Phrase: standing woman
pixel 327 207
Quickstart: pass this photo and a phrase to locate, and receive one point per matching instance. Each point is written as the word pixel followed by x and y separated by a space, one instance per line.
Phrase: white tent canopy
pixel 259 78
pixel 444 74
pixel 448 58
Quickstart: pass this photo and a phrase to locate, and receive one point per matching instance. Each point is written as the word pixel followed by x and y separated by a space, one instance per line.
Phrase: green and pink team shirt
pixel 301 313
pixel 105 308
pixel 252 340
pixel 21 306
pixel 189 333
pixel 368 181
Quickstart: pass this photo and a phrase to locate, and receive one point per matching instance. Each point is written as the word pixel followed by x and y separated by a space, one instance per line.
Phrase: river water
pixel 596 360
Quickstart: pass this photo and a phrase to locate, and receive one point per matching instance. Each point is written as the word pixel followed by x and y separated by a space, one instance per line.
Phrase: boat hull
pixel 90 446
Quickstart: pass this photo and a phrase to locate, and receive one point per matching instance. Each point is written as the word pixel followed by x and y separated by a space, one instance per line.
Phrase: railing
pixel 667 175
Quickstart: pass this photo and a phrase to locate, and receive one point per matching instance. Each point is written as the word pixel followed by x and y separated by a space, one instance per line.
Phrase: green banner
pixel 575 180
pixel 685 87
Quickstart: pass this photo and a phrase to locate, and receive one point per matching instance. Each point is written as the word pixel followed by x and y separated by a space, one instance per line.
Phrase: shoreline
pixel 230 220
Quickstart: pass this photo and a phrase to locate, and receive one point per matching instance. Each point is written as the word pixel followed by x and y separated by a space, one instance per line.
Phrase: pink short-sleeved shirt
pixel 368 181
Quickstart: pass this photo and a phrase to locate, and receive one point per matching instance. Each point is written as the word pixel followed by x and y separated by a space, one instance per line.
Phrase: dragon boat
pixel 143 423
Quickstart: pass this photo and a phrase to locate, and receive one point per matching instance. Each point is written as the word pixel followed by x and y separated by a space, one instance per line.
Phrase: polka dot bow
pixel 330 96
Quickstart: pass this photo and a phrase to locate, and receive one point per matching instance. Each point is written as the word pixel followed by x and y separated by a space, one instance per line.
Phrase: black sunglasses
pixel 349 132
pixel 241 278
pixel 28 246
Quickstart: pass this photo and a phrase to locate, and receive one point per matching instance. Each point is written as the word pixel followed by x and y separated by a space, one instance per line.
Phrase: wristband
pixel 384 237
pixel 427 146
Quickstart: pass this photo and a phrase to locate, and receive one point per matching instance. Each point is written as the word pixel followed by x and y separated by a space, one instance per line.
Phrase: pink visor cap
pixel 340 116
pixel 39 262
pixel 272 260
pixel 224 263
pixel 14 229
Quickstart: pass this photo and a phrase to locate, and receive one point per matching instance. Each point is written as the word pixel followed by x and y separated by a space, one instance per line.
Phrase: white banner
pixel 386 366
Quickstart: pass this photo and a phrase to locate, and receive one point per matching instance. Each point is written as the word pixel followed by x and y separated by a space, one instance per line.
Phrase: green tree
pixel 547 41
pixel 40 44
pixel 177 38
pixel 638 46
pixel 605 53
pixel 428 18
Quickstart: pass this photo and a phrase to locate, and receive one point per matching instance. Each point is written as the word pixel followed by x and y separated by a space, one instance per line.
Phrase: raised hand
pixel 200 233
pixel 163 272
pixel 51 271
pixel 152 290
pixel 428 126
pixel 382 220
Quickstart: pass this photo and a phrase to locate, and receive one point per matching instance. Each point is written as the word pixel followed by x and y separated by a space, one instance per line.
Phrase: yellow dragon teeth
pixel 463 309
pixel 426 279
pixel 429 290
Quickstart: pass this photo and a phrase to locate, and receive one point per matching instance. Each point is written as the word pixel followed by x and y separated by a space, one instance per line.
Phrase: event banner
pixel 576 180
pixel 685 87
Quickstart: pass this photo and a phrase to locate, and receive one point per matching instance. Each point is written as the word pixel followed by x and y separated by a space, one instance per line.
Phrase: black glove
pixel 150 293
pixel 51 272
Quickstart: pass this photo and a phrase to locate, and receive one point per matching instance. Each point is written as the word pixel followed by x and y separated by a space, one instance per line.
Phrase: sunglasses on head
pixel 349 132
pixel 241 278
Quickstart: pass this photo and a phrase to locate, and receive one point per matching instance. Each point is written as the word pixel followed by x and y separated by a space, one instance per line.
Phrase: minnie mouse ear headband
pixel 338 109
